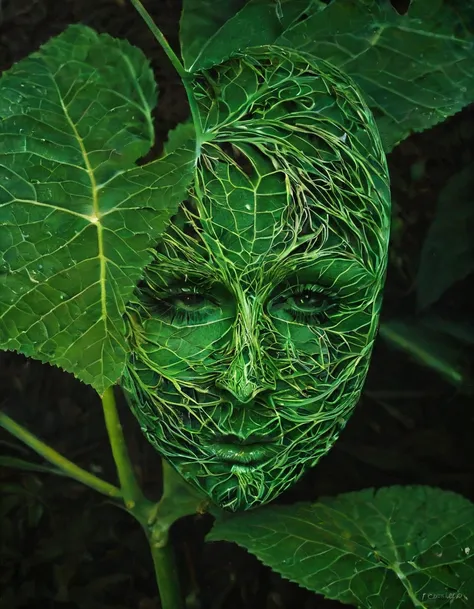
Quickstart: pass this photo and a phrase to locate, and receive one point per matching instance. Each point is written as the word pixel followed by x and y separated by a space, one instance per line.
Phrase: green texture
pixel 448 250
pixel 414 70
pixel 252 328
pixel 394 548
pixel 77 215
pixel 211 32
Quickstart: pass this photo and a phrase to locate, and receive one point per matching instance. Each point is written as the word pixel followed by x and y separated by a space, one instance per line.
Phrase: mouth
pixel 241 454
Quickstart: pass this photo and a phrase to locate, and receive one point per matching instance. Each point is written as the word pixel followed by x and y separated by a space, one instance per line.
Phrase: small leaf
pixel 448 250
pixel 415 69
pixel 211 32
pixel 395 548
pixel 77 216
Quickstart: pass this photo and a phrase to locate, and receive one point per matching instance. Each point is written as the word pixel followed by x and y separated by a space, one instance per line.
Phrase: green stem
pixel 131 491
pixel 166 574
pixel 48 453
pixel 185 76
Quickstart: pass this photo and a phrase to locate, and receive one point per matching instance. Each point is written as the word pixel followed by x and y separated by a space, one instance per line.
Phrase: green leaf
pixel 77 215
pixel 395 548
pixel 200 23
pixel 448 250
pixel 211 32
pixel 179 136
pixel 414 69
pixel 430 347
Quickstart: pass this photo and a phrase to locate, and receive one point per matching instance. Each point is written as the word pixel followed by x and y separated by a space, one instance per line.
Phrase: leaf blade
pixel 367 548
pixel 76 116
pixel 211 33
pixel 415 69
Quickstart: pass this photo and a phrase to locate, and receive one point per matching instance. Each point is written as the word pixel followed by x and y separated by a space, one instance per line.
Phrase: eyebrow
pixel 342 274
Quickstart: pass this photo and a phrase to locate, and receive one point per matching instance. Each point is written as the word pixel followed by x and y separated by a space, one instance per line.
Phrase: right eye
pixel 184 307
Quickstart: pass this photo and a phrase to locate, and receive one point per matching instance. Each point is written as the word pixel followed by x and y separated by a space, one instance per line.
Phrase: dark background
pixel 65 547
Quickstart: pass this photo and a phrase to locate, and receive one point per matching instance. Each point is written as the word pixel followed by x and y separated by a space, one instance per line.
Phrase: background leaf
pixel 432 346
pixel 415 69
pixel 76 214
pixel 201 21
pixel 377 549
pixel 211 32
pixel 448 250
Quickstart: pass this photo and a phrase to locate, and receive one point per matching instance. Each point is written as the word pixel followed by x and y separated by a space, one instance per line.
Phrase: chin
pixel 239 488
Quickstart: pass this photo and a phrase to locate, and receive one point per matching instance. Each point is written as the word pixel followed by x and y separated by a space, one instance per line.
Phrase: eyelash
pixel 174 313
pixel 166 309
pixel 307 317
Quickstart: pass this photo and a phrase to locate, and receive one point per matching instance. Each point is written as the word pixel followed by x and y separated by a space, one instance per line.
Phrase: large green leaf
pixel 211 32
pixel 394 548
pixel 200 22
pixel 448 250
pixel 77 215
pixel 414 69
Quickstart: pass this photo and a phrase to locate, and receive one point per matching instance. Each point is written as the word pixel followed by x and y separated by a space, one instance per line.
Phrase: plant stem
pixel 68 467
pixel 131 491
pixel 166 575
pixel 184 75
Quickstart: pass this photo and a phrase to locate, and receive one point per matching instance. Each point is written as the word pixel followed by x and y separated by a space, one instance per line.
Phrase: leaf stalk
pixel 186 77
pixel 64 465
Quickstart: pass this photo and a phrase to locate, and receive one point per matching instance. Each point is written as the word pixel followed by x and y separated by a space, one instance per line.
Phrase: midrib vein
pixel 95 208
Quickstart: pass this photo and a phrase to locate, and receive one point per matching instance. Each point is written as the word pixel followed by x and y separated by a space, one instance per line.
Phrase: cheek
pixel 174 351
pixel 327 354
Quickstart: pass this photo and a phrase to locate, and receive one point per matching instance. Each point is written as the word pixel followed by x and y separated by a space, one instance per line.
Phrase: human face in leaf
pixel 252 329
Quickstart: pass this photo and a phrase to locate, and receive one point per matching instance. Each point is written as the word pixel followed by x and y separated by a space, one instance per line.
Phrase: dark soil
pixel 65 547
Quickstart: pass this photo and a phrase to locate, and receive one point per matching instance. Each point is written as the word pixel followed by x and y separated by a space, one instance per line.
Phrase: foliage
pixel 407 66
pixel 448 250
pixel 76 213
pixel 72 169
pixel 380 549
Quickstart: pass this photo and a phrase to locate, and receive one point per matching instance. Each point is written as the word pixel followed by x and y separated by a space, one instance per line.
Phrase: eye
pixel 185 307
pixel 306 304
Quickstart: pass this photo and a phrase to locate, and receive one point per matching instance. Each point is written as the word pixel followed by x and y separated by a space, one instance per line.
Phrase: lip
pixel 246 454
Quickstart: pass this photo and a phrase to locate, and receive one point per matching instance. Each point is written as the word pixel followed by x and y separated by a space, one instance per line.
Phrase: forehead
pixel 248 217
pixel 252 223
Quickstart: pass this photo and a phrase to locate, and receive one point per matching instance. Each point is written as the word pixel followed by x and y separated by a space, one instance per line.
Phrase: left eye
pixel 189 300
pixel 305 304
pixel 307 300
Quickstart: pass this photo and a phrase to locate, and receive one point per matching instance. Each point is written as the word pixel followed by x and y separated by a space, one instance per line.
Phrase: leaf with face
pixel 252 329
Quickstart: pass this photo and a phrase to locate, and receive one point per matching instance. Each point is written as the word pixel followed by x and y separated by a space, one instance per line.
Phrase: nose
pixel 246 376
